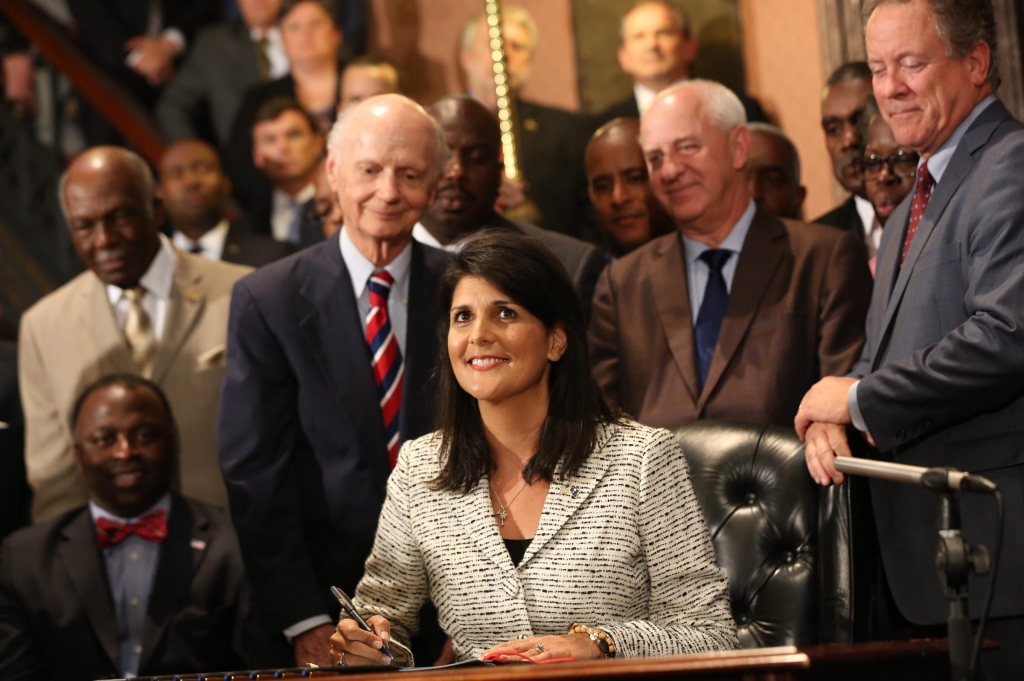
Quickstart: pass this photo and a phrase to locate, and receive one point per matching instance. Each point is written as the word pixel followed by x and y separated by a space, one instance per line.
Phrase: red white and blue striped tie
pixel 387 358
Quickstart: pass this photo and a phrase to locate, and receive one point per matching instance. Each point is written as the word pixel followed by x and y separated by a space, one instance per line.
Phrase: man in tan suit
pixel 142 307
pixel 738 314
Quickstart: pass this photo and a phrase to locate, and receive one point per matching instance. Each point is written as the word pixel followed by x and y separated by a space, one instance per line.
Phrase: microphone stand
pixel 955 559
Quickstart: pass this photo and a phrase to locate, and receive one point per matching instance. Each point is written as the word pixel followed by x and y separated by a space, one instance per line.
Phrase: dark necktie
pixel 152 527
pixel 922 194
pixel 712 310
pixel 387 358
pixel 196 249
pixel 262 58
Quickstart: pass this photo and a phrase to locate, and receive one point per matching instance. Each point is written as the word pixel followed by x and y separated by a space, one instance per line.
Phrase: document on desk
pixel 453 665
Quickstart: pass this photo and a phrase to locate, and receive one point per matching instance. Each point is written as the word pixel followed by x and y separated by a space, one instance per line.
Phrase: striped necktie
pixel 386 358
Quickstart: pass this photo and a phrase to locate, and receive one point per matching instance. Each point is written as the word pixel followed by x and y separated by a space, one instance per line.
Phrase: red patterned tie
pixel 923 192
pixel 387 358
pixel 152 527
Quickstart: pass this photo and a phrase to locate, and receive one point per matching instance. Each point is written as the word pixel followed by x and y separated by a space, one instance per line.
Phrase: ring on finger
pixel 539 647
pixel 341 660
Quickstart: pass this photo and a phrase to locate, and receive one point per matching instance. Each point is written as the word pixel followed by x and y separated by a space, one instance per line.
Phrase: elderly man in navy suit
pixel 941 379
pixel 329 359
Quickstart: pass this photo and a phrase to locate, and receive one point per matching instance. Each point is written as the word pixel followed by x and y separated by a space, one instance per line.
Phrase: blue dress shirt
pixel 697 270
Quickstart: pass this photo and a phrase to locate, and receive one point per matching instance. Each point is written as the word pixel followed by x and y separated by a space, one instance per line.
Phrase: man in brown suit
pixel 141 307
pixel 738 314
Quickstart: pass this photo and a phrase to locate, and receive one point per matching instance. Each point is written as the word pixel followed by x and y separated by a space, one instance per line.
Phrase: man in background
pixel 287 148
pixel 628 213
pixel 773 172
pixel 195 192
pixel 468 188
pixel 842 105
pixel 366 77
pixel 658 49
pixel 139 582
pixel 551 140
pixel 141 307
pixel 226 60
pixel 729 318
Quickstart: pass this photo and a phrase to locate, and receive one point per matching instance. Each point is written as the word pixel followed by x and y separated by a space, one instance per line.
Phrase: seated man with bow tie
pixel 140 580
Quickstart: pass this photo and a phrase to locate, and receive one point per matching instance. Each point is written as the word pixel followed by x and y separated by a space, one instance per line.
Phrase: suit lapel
pixel 111 346
pixel 976 137
pixel 173 580
pixel 183 310
pixel 420 347
pixel 83 563
pixel 671 295
pixel 762 251
pixel 476 515
pixel 567 495
pixel 335 335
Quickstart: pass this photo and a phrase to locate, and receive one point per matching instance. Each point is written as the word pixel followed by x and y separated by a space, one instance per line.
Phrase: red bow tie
pixel 152 527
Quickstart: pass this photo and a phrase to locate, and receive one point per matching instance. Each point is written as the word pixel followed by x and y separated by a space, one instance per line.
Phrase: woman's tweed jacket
pixel 622 545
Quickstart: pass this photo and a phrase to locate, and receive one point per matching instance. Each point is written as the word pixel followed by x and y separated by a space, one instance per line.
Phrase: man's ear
pixel 977 61
pixel 158 210
pixel 739 145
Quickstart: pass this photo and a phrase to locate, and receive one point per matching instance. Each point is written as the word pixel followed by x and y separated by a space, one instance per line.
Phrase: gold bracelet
pixel 599 636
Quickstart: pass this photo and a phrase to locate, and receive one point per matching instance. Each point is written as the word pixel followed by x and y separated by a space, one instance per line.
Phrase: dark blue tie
pixel 712 310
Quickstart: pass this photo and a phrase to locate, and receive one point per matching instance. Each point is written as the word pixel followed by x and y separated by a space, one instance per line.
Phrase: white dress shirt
pixel 937 164
pixel 644 96
pixel 697 271
pixel 423 235
pixel 287 209
pixel 131 569
pixel 276 55
pixel 211 244
pixel 866 213
pixel 157 282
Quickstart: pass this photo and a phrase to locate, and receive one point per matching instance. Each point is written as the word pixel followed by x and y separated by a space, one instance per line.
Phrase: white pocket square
pixel 211 357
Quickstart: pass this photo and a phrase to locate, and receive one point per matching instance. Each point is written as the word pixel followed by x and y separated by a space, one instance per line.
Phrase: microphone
pixel 937 479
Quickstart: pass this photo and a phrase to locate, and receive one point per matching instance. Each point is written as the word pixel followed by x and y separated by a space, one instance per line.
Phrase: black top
pixel 517 549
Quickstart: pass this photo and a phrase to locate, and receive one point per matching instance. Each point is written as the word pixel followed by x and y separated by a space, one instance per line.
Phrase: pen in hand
pixel 350 610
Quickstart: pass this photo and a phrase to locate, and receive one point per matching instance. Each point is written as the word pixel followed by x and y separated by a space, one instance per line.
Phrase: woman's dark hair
pixel 528 273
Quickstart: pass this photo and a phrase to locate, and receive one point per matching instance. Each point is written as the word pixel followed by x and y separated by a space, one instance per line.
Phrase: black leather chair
pixel 783 542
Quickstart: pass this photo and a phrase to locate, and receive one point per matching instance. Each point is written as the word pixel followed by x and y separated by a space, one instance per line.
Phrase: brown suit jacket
pixel 796 313
pixel 70 338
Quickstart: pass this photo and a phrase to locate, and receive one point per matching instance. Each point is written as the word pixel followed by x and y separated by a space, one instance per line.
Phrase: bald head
pixel 384 158
pixel 697 145
pixel 108 198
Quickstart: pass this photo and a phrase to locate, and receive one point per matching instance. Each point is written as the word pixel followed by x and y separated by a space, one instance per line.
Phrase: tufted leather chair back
pixel 782 541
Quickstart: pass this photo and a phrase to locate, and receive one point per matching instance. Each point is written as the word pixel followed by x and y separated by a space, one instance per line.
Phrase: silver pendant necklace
pixel 502 513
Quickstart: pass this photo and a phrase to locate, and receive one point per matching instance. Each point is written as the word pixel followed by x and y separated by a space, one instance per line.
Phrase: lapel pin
pixel 574 491
pixel 531 124
pixel 197 544
pixel 192 296
pixel 233 249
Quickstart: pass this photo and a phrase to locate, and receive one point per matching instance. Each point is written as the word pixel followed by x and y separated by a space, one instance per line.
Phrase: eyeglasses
pixel 902 164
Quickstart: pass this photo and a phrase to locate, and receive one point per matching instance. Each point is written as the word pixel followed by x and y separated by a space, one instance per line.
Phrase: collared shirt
pixel 131 569
pixel 360 269
pixel 866 213
pixel 937 164
pixel 211 244
pixel 644 96
pixel 157 282
pixel 423 235
pixel 276 55
pixel 697 271
pixel 287 210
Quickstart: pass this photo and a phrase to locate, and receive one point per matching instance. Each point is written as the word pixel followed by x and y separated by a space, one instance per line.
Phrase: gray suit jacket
pixel 943 364
pixel 70 338
pixel 219 68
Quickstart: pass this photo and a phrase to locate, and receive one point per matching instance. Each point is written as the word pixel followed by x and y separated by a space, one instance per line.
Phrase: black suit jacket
pixel 105 25
pixel 243 247
pixel 845 217
pixel 627 108
pixel 301 434
pixel 553 142
pixel 15 496
pixel 258 218
pixel 56 613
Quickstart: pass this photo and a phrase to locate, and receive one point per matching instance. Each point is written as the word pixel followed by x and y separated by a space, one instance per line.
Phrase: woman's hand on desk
pixel 360 647
pixel 539 648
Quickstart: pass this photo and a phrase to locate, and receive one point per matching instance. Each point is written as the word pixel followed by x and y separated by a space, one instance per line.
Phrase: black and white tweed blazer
pixel 622 546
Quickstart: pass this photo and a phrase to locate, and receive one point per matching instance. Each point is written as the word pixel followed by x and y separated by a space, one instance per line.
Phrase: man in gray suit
pixel 225 61
pixel 941 379
pixel 466 193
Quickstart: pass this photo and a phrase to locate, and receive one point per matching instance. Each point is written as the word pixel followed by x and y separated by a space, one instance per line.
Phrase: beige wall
pixel 783 58
pixel 422 37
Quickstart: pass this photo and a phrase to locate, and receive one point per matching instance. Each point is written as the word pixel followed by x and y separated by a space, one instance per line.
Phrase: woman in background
pixel 539 523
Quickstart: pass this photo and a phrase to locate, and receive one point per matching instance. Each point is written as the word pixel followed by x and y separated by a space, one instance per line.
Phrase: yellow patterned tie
pixel 138 331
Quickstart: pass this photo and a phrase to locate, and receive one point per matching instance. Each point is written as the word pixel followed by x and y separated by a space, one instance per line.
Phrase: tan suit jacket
pixel 796 313
pixel 70 338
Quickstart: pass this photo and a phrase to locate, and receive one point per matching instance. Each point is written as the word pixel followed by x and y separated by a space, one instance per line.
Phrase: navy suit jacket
pixel 942 373
pixel 301 434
